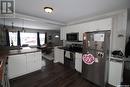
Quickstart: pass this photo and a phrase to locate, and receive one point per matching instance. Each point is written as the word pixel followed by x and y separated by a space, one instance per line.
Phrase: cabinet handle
pixel 115 60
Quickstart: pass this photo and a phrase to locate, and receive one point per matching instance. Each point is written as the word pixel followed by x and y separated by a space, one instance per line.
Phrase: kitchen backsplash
pixel 69 43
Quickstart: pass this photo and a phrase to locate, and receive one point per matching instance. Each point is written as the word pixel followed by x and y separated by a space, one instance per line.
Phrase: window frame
pixel 28 33
pixel 15 38
pixel 40 38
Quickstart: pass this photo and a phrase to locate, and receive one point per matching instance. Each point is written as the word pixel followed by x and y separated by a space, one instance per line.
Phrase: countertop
pixel 5 53
pixel 23 51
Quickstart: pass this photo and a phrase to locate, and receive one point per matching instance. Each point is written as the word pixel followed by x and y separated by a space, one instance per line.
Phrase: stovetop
pixel 79 50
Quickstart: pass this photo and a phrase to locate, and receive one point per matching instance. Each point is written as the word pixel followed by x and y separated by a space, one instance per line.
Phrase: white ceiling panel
pixel 69 10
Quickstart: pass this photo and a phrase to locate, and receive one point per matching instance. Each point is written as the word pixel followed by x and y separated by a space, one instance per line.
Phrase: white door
pixel 34 61
pixel 115 73
pixel 38 60
pixel 61 56
pixel 78 62
pixel 58 55
pixel 16 65
pixel 30 62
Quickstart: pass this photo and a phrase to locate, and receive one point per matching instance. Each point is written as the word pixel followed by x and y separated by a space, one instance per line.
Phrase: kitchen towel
pixel 67 54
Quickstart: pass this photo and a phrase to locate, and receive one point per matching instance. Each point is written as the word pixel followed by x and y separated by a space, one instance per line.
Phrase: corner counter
pixel 19 62
pixel 23 51
pixel 24 61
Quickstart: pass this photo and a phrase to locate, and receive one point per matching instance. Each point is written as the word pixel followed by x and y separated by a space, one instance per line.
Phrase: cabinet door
pixel 58 55
pixel 16 65
pixel 30 62
pixel 78 62
pixel 34 61
pixel 38 60
pixel 115 73
pixel 61 56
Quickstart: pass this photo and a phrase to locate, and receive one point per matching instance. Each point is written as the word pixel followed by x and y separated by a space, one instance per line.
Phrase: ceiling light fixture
pixel 48 9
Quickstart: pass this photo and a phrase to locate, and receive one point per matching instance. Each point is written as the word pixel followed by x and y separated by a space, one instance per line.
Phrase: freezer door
pixel 126 71
pixel 95 72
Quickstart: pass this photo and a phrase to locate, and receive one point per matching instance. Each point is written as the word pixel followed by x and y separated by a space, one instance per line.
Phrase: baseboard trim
pixel 109 85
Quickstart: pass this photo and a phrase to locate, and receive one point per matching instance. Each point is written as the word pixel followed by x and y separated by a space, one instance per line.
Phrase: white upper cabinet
pixel 98 25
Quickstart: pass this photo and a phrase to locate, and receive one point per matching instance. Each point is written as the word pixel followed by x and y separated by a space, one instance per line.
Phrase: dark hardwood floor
pixel 52 75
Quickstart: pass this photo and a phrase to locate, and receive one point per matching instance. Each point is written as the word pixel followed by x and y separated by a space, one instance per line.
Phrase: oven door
pixel 69 59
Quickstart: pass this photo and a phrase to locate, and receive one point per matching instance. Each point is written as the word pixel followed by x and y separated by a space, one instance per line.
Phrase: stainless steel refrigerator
pixel 97 44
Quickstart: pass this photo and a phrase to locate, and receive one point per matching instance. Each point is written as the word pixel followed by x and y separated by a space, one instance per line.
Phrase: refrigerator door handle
pixel 116 60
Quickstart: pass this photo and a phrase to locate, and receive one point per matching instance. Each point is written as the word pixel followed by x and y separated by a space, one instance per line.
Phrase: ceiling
pixel 66 11
pixel 28 23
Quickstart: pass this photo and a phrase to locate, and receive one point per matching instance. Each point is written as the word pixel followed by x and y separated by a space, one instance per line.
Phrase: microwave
pixel 72 36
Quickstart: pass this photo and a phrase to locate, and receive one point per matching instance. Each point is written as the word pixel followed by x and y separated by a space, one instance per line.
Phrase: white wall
pixel 115 21
pixel 128 25
pixel 102 24
pixel 119 26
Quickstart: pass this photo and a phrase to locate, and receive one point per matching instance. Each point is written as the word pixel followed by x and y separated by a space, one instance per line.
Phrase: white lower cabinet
pixel 78 62
pixel 61 56
pixel 38 60
pixel 16 65
pixel 33 61
pixel 24 63
pixel 115 73
pixel 31 65
pixel 58 55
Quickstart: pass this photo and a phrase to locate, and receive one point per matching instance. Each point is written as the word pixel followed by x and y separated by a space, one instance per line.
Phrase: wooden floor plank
pixel 52 75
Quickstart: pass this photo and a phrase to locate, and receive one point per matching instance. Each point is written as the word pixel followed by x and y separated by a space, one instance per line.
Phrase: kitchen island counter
pixel 23 51
pixel 5 53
